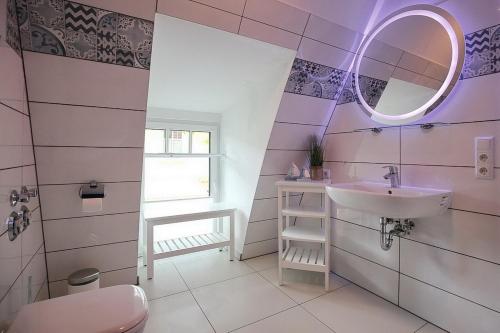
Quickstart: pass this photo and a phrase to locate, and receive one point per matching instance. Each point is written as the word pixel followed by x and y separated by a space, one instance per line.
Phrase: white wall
pixel 23 276
pixel 447 270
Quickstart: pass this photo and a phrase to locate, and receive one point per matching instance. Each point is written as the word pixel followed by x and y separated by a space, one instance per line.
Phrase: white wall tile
pixel 349 117
pixel 383 52
pixel 405 75
pixel 377 279
pixel 90 231
pixel 365 243
pixel 293 136
pixel 469 193
pixel 266 187
pixel 259 231
pixel 413 63
pixel 468 233
pixel 59 165
pixel 12 91
pixel 259 249
pixel 364 146
pixel 446 310
pixel 10 261
pixel 199 13
pixel 107 279
pixel 324 54
pixel 264 209
pixel 63 201
pixel 12 302
pixel 292 109
pixel 352 172
pixel 269 34
pixel 471 100
pixel 332 33
pixel 63 125
pixel 376 69
pixel 233 6
pixel 279 161
pixel 146 8
pixel 105 258
pixel 33 277
pixel 473 16
pixel 447 144
pixel 31 238
pixel 473 279
pixel 10 179
pixel 81 82
pixel 277 14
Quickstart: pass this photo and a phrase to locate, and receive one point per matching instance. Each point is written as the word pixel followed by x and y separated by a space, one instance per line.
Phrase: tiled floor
pixel 205 292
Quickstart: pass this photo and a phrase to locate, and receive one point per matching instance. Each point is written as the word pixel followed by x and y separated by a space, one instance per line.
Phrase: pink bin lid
pixel 108 310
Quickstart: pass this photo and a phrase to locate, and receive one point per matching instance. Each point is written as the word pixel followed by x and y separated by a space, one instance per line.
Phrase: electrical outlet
pixel 484 157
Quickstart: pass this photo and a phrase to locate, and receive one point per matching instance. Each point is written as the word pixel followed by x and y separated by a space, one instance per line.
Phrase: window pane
pixel 200 142
pixel 178 142
pixel 154 142
pixel 176 178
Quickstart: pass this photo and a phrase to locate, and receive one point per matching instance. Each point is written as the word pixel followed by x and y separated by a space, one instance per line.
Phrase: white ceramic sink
pixel 382 200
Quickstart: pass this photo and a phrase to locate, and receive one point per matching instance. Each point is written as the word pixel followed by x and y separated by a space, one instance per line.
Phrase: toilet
pixel 117 309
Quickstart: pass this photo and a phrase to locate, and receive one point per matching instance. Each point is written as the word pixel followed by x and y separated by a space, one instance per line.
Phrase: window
pixel 179 162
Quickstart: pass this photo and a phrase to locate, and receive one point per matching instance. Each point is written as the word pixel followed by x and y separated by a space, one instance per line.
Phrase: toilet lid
pixel 108 310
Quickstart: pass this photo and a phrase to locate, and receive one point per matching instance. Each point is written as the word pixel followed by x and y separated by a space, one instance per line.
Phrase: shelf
pixel 304 234
pixel 181 245
pixel 305 259
pixel 304 212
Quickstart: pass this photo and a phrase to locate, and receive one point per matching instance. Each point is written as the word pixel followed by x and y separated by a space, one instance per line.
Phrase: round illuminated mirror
pixel 409 64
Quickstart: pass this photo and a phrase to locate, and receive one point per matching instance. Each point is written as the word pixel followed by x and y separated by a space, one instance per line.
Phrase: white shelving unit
pixel 294 241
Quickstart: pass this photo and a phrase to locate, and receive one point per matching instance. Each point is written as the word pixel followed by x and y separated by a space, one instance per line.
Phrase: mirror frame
pixel 452 27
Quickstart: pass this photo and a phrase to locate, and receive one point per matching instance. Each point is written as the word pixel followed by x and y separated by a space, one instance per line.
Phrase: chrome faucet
pixel 393 175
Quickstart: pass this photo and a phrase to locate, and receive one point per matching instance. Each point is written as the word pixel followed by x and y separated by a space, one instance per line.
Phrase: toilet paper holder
pixel 92 190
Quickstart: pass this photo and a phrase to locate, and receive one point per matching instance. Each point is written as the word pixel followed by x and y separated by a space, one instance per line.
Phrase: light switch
pixel 484 157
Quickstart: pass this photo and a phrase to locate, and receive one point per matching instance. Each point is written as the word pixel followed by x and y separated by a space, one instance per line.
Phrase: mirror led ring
pixel 457 59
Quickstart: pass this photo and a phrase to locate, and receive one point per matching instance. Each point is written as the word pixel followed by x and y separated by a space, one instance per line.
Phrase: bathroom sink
pixel 382 200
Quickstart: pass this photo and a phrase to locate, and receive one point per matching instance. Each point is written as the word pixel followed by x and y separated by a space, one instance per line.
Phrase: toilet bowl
pixel 117 309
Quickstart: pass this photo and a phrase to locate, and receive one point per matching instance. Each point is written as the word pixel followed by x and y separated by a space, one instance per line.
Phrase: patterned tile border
pixel 316 80
pixel 70 29
pixel 12 32
pixel 482 52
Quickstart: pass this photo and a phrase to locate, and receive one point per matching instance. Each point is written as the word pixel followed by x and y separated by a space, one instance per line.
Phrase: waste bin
pixel 83 280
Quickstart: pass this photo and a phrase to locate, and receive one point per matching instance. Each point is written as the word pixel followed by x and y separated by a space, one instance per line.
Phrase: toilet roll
pixel 91 205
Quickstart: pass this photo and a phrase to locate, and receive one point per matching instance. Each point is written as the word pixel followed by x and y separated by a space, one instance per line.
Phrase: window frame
pixel 213 155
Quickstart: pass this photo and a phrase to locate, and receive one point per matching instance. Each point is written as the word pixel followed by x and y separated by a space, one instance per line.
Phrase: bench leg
pixel 151 267
pixel 231 236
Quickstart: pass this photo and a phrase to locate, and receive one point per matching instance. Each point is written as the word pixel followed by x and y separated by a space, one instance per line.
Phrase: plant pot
pixel 316 173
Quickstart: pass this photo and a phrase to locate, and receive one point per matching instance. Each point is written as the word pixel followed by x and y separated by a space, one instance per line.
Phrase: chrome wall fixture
pixel 24 196
pixel 401 228
pixel 19 221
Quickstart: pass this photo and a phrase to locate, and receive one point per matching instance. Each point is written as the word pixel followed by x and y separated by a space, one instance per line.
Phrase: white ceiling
pixel 201 69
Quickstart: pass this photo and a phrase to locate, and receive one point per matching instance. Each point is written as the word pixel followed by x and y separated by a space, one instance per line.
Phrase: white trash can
pixel 83 280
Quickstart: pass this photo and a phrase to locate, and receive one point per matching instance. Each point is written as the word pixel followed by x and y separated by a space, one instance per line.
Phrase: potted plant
pixel 316 154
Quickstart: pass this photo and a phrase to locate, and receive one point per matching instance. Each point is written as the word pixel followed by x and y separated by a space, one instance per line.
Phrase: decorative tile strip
pixel 312 79
pixel 70 29
pixel 12 32
pixel 482 52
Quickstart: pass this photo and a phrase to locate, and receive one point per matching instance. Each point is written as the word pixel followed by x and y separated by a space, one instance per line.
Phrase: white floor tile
pixel 302 286
pixel 429 328
pixel 209 269
pixel 177 313
pixel 238 302
pixel 295 320
pixel 263 262
pixel 353 310
pixel 166 281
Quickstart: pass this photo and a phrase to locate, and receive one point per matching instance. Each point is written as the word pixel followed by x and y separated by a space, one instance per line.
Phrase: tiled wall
pixel 87 80
pixel 447 270
pixel 22 261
